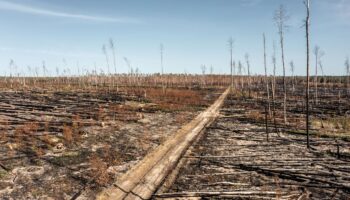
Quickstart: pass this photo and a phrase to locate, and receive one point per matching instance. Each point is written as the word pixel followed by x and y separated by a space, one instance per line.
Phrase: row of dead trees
pixel 280 19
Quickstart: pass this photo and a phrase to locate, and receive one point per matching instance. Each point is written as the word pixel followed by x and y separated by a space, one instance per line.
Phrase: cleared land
pixel 72 138
pixel 70 142
pixel 233 159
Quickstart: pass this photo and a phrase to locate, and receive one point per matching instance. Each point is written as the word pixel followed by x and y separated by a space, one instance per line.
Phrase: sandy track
pixel 142 180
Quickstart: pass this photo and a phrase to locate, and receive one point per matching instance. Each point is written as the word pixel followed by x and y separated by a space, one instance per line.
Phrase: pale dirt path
pixel 142 180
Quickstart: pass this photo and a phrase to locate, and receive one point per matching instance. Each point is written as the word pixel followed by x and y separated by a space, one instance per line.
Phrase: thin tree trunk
pixel 274 106
pixel 249 81
pixel 266 124
pixel 307 22
pixel 266 78
pixel 284 83
pixel 230 43
pixel 316 81
pixel 280 18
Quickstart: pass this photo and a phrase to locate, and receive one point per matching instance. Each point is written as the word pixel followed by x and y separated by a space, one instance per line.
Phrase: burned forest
pixel 267 116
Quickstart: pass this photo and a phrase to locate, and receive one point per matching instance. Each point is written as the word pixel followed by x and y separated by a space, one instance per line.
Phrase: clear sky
pixel 70 33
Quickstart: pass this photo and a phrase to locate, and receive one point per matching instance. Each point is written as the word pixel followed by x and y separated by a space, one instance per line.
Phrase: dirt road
pixel 144 179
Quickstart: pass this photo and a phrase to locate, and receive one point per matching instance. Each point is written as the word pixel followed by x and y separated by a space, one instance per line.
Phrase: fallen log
pixel 297 177
pixel 213 194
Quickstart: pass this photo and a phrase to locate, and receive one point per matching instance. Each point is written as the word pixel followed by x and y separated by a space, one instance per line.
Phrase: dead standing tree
pixel 104 50
pixel 203 69
pixel 230 44
pixel 292 68
pixel 280 20
pixel 267 105
pixel 130 70
pixel 347 69
pixel 318 54
pixel 307 24
pixel 323 77
pixel 248 68
pixel 240 73
pixel 322 53
pixel 112 47
pixel 11 66
pixel 266 78
pixel 273 87
pixel 211 69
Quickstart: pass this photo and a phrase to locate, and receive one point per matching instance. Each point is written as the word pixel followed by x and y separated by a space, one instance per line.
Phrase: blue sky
pixel 70 33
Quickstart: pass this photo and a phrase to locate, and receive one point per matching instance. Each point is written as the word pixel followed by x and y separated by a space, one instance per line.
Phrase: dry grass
pixel 255 115
pixel 99 170
pixel 175 99
pixel 337 126
pixel 100 162
pixel 68 134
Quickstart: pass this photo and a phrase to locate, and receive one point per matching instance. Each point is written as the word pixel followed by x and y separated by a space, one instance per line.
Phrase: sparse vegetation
pixel 67 135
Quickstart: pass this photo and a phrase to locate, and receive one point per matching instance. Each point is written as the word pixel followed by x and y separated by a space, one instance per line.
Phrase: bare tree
pixel 347 69
pixel 128 64
pixel 292 68
pixel 316 52
pixel 266 78
pixel 104 50
pixel 323 77
pixel 320 55
pixel 274 70
pixel 130 70
pixel 280 20
pixel 248 68
pixel 112 47
pixel 12 66
pixel 273 86
pixel 267 105
pixel 230 44
pixel 203 68
pixel 240 72
pixel 307 24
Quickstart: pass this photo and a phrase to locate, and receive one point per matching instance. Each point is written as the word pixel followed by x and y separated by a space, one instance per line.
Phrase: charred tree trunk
pixel 307 23
pixel 281 19
pixel 266 78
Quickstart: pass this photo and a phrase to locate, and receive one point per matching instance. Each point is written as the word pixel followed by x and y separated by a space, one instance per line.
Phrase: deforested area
pixel 60 139
pixel 199 99
pixel 239 157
